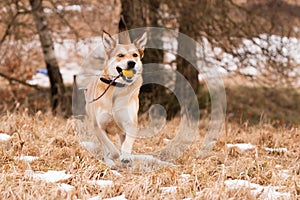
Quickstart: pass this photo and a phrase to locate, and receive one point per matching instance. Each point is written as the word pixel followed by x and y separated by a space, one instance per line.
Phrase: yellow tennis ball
pixel 128 73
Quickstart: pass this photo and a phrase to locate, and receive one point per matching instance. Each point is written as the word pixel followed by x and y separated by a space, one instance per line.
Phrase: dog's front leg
pixel 126 147
pixel 110 152
pixel 127 120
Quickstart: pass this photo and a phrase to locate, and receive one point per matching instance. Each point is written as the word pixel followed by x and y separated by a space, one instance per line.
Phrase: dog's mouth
pixel 126 74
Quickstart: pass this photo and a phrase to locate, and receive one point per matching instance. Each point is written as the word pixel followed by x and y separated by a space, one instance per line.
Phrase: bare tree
pixel 58 98
pixel 228 24
pixel 19 31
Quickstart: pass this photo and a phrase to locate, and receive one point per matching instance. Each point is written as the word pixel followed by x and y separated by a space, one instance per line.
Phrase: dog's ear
pixel 140 43
pixel 108 42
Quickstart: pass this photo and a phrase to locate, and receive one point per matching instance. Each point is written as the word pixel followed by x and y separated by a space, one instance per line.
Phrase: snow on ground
pixel 73 8
pixel 51 176
pixel 60 8
pixel 241 146
pixel 4 137
pixel 101 183
pixel 166 140
pixel 73 58
pixel 27 158
pixel 284 173
pixel 116 173
pixel 87 55
pixel 95 198
pixel 183 178
pixel 121 197
pixel 65 187
pixel 264 192
pixel 276 150
pixel 169 189
pixel 252 55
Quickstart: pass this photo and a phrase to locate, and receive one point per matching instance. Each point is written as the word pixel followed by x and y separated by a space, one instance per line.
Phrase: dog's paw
pixel 126 158
pixel 125 161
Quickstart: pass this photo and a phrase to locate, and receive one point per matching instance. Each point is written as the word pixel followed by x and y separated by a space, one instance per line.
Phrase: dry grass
pixel 54 140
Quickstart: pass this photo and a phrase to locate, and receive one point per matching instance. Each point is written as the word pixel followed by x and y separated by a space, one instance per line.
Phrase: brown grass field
pixel 54 141
pixel 263 117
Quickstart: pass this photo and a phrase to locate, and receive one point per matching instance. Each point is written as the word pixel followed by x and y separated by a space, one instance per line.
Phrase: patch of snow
pixel 59 7
pixel 170 43
pixel 116 173
pixel 252 71
pixel 184 177
pixel 169 57
pixel 70 53
pixel 166 140
pixel 52 176
pixel 95 198
pixel 40 80
pixel 277 150
pixel 252 60
pixel 253 54
pixel 242 146
pixel 69 8
pixel 284 174
pixel 73 8
pixel 66 187
pixel 278 166
pixel 265 192
pixel 47 10
pixel 121 197
pixel 67 72
pixel 27 158
pixel 28 173
pixel 4 137
pixel 169 189
pixel 102 183
pixel 236 184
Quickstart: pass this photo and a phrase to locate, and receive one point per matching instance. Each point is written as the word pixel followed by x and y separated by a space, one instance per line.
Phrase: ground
pixel 266 166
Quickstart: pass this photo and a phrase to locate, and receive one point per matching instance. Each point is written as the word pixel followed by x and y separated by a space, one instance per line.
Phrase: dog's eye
pixel 135 55
pixel 120 55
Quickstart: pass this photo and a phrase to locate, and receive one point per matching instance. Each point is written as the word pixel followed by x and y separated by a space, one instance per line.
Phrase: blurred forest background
pixel 254 43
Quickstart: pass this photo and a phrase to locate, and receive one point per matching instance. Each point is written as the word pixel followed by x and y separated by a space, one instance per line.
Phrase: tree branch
pixel 18 81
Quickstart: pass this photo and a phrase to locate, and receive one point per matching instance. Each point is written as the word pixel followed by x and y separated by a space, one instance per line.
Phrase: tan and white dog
pixel 116 111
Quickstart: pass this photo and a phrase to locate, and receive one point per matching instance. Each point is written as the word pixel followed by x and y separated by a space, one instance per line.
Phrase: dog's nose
pixel 130 64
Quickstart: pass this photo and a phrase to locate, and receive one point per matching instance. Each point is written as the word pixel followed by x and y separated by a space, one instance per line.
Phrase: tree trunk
pixel 185 68
pixel 139 14
pixel 187 47
pixel 58 98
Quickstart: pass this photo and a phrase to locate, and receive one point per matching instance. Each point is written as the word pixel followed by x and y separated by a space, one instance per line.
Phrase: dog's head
pixel 124 57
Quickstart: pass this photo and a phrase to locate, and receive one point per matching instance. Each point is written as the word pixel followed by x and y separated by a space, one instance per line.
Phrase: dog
pixel 114 96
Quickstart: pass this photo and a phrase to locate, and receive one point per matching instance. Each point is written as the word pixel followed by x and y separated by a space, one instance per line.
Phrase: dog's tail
pixel 124 37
